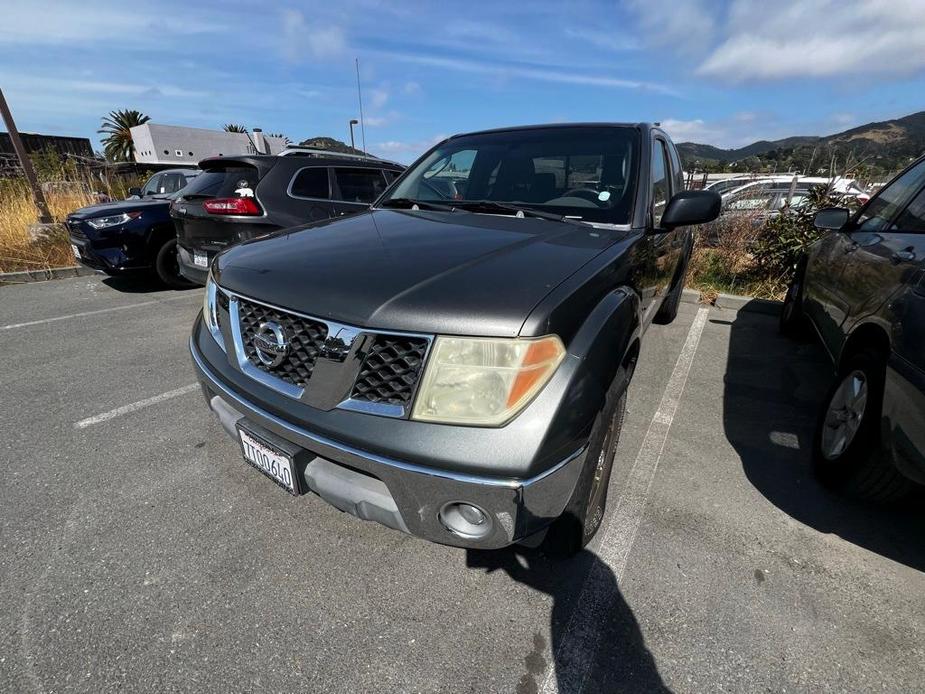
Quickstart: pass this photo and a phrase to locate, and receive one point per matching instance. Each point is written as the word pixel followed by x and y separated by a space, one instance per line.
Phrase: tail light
pixel 242 206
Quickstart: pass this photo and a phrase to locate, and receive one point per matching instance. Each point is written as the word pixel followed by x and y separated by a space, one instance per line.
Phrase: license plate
pixel 76 250
pixel 201 259
pixel 273 463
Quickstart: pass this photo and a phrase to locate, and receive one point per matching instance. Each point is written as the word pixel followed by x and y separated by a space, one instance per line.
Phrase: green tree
pixel 117 143
pixel 234 128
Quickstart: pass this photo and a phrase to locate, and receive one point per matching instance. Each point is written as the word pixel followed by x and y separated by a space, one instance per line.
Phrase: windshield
pixel 585 172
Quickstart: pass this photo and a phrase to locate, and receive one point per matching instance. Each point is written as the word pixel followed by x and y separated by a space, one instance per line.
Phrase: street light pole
pixel 25 162
pixel 353 121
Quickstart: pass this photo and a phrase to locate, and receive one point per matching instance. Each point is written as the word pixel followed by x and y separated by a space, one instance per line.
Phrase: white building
pixel 176 145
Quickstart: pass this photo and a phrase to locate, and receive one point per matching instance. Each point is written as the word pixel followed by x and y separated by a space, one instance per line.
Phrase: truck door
pixel 658 252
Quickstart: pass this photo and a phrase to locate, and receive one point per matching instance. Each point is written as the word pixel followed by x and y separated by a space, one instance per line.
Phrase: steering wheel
pixel 586 193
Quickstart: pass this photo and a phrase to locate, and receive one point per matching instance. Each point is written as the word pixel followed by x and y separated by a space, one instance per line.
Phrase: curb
pixel 734 302
pixel 55 273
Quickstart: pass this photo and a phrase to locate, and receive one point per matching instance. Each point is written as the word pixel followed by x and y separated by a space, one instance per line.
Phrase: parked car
pixel 133 235
pixel 862 288
pixel 457 368
pixel 240 198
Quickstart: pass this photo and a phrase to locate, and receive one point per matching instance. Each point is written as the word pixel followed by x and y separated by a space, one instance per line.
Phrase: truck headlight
pixel 484 381
pixel 210 310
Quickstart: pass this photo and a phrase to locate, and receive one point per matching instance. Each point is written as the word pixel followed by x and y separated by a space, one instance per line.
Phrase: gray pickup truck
pixel 453 362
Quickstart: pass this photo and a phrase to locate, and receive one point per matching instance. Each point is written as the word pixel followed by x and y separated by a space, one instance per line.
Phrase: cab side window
pixel 661 188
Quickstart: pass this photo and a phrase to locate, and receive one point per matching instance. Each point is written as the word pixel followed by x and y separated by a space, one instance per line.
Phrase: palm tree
pixel 117 143
pixel 234 128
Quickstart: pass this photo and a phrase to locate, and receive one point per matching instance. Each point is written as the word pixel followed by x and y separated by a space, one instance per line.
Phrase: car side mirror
pixel 690 207
pixel 831 218
pixel 134 191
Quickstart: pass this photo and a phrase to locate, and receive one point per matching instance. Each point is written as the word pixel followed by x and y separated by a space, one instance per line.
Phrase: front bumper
pixel 409 496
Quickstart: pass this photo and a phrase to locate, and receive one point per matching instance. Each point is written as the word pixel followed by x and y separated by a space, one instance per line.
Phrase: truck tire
pixel 848 454
pixel 668 311
pixel 792 321
pixel 167 268
pixel 583 515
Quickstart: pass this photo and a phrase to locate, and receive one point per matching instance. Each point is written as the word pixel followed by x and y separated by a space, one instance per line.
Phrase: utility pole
pixel 360 99
pixel 25 162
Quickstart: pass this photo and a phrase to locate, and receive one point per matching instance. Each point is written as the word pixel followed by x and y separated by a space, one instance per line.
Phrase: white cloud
pixel 541 74
pixel 405 151
pixel 687 27
pixel 411 88
pixel 378 97
pixel 318 41
pixel 613 40
pixel 822 38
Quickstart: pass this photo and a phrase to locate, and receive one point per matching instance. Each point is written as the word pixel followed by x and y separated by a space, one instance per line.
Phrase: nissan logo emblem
pixel 271 344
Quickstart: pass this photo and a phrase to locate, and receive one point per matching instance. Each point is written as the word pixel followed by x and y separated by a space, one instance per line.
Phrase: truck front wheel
pixel 585 511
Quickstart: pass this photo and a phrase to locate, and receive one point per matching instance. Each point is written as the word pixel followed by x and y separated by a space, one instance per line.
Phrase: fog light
pixel 465 520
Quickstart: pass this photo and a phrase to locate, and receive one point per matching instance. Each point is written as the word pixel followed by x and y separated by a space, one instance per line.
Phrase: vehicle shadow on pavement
pixel 139 284
pixel 595 639
pixel 772 394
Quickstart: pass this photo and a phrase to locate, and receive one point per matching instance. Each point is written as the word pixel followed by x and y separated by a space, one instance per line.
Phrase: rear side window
pixel 171 183
pixel 912 220
pixel 359 185
pixel 882 208
pixel 389 175
pixel 311 183
pixel 222 182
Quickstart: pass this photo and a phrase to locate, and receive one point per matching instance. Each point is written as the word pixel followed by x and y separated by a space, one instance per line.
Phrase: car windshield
pixel 584 172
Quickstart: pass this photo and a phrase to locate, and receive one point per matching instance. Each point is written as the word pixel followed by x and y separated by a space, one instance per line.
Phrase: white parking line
pixel 135 406
pixel 576 652
pixel 91 313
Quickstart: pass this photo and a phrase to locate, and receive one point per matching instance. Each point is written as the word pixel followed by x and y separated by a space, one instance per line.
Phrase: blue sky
pixel 720 72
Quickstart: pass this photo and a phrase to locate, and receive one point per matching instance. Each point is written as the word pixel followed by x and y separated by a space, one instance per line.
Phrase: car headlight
pixel 210 310
pixel 484 381
pixel 113 220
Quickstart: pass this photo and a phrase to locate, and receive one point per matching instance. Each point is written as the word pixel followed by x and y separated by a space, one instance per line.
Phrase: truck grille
pixel 306 338
pixel 391 370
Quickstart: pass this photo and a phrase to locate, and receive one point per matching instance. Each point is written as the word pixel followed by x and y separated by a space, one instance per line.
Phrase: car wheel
pixel 792 319
pixel 585 511
pixel 167 267
pixel 668 311
pixel 848 454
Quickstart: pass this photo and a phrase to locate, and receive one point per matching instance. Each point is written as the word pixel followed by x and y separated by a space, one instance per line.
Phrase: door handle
pixel 904 256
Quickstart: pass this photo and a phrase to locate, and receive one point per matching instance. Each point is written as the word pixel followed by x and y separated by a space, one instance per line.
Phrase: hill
pixel 330 144
pixel 880 147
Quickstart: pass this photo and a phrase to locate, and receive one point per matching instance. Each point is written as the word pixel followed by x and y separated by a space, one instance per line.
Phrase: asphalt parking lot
pixel 138 552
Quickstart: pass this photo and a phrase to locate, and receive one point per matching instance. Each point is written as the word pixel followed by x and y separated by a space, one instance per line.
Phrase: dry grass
pixel 722 261
pixel 17 213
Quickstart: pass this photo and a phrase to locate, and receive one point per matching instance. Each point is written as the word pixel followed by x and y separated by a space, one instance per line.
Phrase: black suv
pixel 133 235
pixel 862 287
pixel 457 368
pixel 240 198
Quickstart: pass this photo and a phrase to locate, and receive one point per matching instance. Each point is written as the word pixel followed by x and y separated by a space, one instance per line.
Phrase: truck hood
pixel 453 273
pixel 106 209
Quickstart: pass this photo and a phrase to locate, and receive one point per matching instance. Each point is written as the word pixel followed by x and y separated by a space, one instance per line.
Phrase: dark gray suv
pixel 453 362
pixel 862 288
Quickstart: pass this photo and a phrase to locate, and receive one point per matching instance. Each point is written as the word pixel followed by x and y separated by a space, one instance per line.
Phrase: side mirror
pixel 831 218
pixel 134 191
pixel 691 207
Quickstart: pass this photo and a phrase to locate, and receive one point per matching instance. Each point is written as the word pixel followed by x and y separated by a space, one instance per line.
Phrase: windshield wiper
pixel 408 203
pixel 494 206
